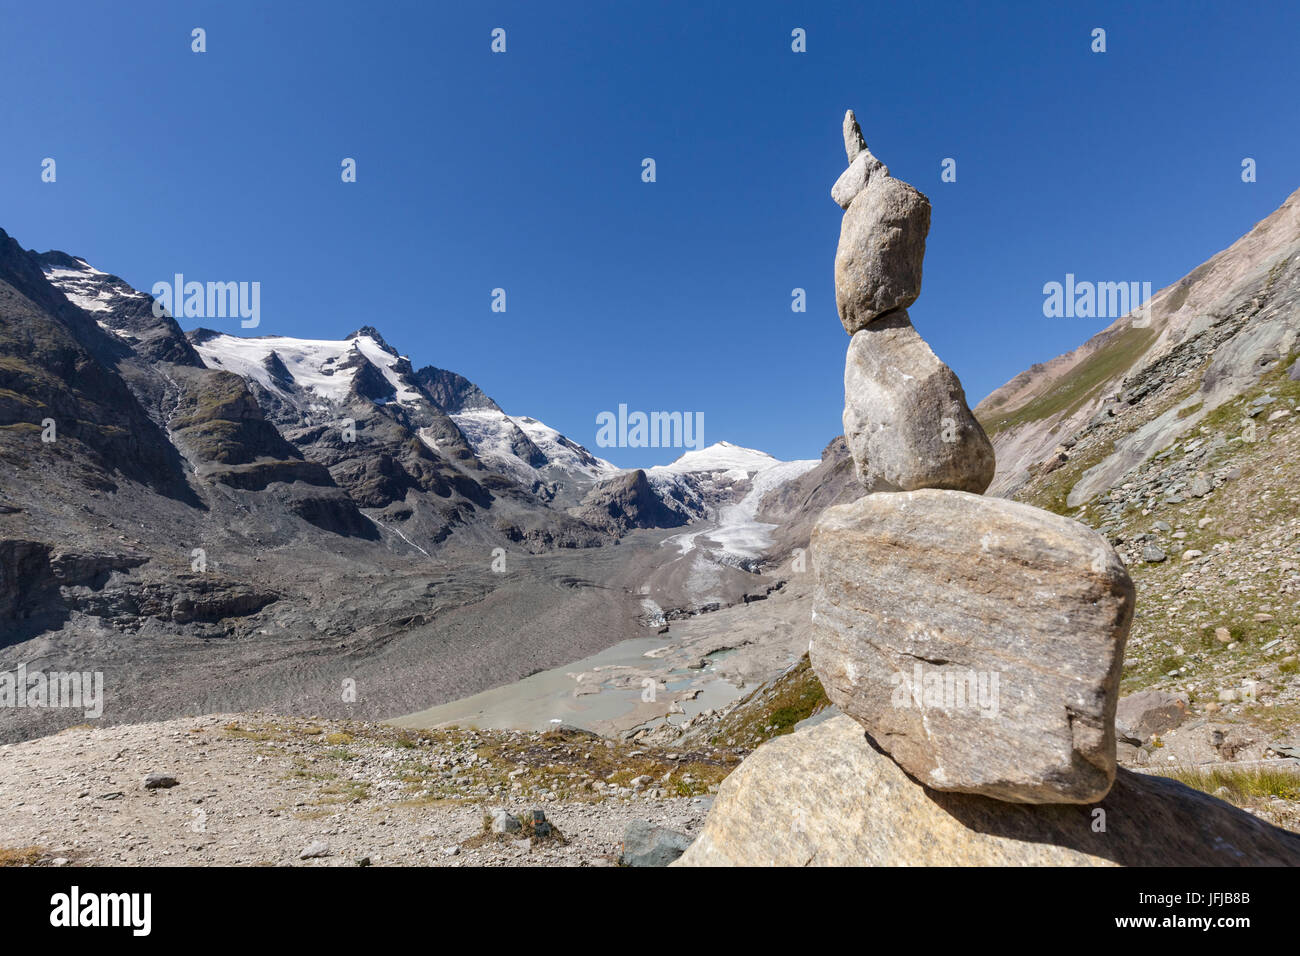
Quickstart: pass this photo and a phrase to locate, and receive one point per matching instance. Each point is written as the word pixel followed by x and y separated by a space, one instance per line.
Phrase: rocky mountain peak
pixel 370 332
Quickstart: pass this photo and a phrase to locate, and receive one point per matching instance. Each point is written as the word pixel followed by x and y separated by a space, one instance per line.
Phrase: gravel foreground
pixel 260 789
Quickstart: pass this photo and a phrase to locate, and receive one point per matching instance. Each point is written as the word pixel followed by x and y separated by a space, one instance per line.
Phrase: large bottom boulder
pixel 825 796
pixel 979 640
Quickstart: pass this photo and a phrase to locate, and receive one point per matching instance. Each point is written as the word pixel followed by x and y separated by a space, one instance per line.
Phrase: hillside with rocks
pixel 1173 435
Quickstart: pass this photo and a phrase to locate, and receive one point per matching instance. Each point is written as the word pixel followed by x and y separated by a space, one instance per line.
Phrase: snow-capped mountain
pixel 314 371
pixel 449 414
pixel 705 481
pixel 308 388
pixel 544 456
pixel 523 448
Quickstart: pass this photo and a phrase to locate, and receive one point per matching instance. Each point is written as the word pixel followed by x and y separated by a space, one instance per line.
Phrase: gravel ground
pixel 260 789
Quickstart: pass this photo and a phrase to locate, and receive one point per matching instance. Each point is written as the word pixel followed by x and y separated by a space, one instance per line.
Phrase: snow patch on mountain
pixel 721 456
pixel 85 286
pixel 562 451
pixel 320 366
pixel 494 437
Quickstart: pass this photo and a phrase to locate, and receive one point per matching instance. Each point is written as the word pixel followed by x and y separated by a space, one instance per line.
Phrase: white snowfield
pixel 316 367
pixel 719 457
pixel 314 364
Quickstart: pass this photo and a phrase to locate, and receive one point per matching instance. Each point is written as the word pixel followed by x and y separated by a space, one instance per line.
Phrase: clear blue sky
pixel 523 171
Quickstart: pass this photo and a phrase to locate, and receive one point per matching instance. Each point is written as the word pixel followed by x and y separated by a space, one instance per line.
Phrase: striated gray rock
pixel 882 245
pixel 825 796
pixel 906 420
pixel 854 179
pixel 979 640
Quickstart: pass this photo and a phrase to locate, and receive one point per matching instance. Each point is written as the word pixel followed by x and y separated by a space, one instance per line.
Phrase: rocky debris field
pixel 257 789
pixel 1208 527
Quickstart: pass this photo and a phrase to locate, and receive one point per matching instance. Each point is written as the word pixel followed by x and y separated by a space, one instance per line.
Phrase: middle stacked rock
pixel 978 640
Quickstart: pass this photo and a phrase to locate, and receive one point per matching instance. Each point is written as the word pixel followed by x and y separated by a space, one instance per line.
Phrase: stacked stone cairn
pixel 978 640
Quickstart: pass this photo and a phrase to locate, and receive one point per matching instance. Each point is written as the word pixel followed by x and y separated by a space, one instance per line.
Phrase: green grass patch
pixel 1243 784
pixel 1070 391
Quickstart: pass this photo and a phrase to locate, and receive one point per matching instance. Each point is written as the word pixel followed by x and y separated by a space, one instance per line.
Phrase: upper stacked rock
pixel 882 237
pixel 906 419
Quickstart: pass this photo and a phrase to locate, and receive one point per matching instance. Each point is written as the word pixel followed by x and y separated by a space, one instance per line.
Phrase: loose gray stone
pixel 1153 554
pixel 1150 712
pixel 536 819
pixel 979 640
pixel 159 781
pixel 645 844
pixel 1200 487
pixel 906 421
pixel 503 822
pixel 315 849
pixel 881 250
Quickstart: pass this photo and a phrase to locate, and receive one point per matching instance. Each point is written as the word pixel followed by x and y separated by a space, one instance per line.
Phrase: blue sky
pixel 522 171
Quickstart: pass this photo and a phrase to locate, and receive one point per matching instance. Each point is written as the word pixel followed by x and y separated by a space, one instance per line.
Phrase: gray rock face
pixel 978 640
pixel 624 502
pixel 854 179
pixel 826 797
pixel 906 420
pixel 882 245
pixel 504 822
pixel 645 844
pixel 1150 712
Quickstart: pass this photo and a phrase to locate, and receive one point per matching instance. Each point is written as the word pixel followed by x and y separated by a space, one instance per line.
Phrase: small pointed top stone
pixel 853 141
